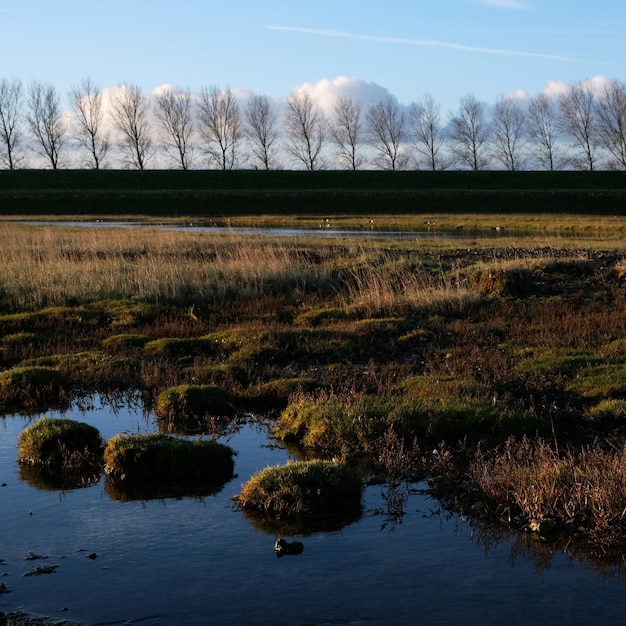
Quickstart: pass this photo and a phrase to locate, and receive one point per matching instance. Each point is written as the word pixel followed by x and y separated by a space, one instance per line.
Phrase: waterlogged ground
pixel 199 561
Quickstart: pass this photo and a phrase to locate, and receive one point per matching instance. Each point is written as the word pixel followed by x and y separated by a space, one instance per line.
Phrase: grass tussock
pixel 304 488
pixel 166 457
pixel 187 408
pixel 60 444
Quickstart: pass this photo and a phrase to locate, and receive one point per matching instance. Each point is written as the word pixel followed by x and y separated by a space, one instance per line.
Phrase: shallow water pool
pixel 198 560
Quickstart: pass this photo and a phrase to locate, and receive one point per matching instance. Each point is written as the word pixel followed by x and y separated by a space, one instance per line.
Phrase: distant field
pixel 171 193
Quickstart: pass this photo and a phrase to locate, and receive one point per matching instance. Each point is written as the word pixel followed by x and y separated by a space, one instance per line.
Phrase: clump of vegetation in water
pixel 165 457
pixel 303 488
pixel 186 408
pixel 59 443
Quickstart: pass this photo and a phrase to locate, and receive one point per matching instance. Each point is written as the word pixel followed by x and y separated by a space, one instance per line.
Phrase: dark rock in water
pixel 282 547
pixel 42 569
pixel 4 589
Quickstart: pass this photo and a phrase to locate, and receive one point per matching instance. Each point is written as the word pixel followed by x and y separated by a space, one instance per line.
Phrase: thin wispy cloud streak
pixel 506 4
pixel 427 43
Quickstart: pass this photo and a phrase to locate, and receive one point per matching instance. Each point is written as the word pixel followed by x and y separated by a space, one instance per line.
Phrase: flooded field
pixel 198 560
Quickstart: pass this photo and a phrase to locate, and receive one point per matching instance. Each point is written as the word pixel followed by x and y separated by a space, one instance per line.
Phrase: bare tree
pixel 427 134
pixel 611 111
pixel 11 104
pixel 88 109
pixel 174 113
pixel 347 131
pixel 45 120
pixel 306 130
pixel 386 125
pixel 508 128
pixel 470 133
pixel 262 130
pixel 131 116
pixel 544 131
pixel 578 121
pixel 220 126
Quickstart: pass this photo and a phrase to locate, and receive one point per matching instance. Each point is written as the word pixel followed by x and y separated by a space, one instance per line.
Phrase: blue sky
pixel 447 47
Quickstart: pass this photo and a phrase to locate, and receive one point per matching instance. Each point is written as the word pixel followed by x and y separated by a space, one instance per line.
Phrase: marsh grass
pixel 188 408
pixel 534 480
pixel 59 443
pixel 303 488
pixel 32 387
pixel 160 457
pixel 443 342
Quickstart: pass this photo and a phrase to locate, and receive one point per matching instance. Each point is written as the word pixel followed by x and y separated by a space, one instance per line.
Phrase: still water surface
pixel 199 561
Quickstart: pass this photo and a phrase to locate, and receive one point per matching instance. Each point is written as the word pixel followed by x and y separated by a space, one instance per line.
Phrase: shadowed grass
pixel 32 387
pixel 166 457
pixel 60 444
pixel 585 488
pixel 304 488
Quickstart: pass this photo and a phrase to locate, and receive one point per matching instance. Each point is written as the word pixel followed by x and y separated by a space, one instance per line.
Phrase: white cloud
pixel 555 88
pixel 326 92
pixel 427 43
pixel 518 95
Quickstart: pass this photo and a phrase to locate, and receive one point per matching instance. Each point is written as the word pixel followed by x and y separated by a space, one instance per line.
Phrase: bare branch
pixel 508 127
pixel 544 131
pixel 470 133
pixel 130 111
pixel 46 121
pixel 387 130
pixel 262 130
pixel 11 105
pixel 220 126
pixel 347 131
pixel 306 128
pixel 427 133
pixel 579 122
pixel 174 113
pixel 611 111
pixel 86 102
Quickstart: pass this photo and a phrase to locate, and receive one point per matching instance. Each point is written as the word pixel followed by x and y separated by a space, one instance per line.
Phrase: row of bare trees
pixel 583 128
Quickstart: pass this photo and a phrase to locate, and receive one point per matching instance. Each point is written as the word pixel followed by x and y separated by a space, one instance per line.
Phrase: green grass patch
pixel 186 408
pixel 165 457
pixel 60 443
pixel 124 342
pixel 180 347
pixel 564 361
pixel 608 411
pixel 18 340
pixel 350 426
pixel 304 488
pixel 601 381
pixel 92 369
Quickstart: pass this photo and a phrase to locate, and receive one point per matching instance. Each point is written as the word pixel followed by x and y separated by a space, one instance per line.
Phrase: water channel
pixel 198 560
